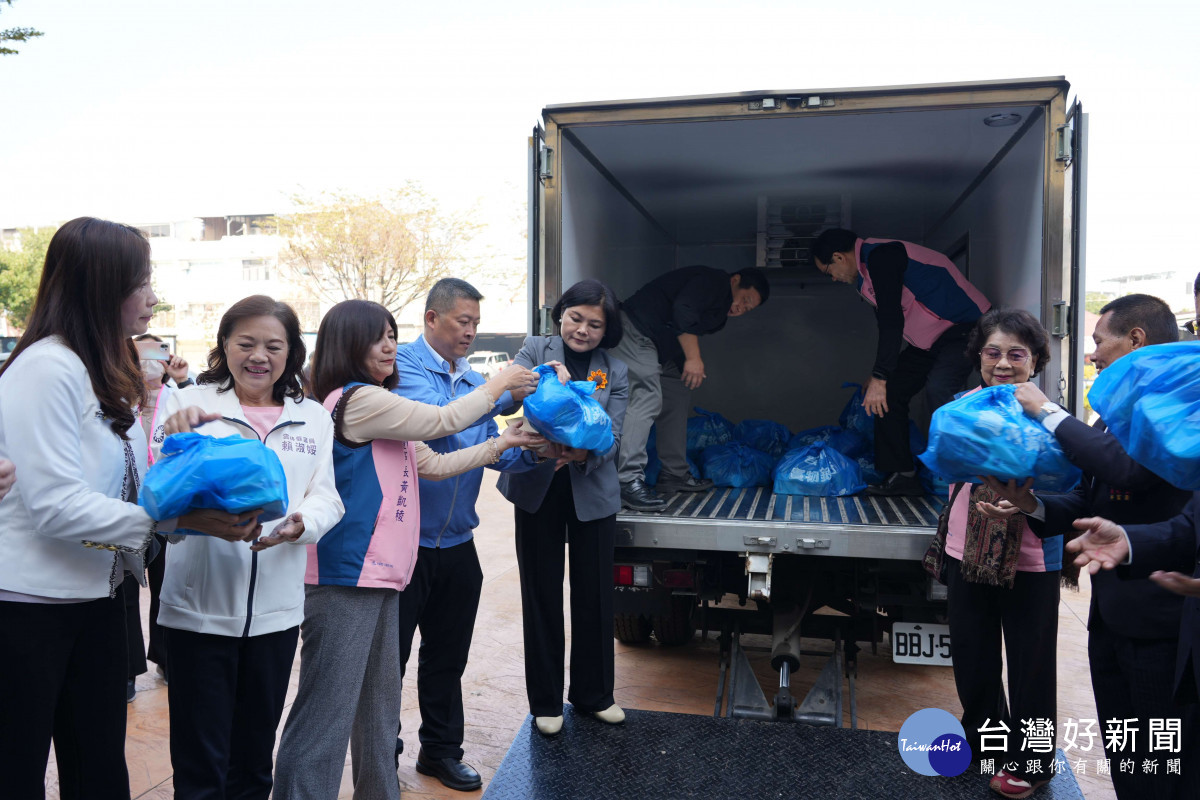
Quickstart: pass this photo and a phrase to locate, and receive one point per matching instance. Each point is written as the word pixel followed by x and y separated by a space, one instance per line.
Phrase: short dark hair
pixel 1196 285
pixel 1142 311
pixel 346 334
pixel 832 240
pixel 92 267
pixel 590 292
pixel 448 291
pixel 754 278
pixel 1016 322
pixel 147 337
pixel 259 305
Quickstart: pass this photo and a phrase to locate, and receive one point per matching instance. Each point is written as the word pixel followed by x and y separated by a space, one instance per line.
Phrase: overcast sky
pixel 144 110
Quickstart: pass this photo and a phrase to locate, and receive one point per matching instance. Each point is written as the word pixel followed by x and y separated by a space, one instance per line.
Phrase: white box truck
pixel 990 173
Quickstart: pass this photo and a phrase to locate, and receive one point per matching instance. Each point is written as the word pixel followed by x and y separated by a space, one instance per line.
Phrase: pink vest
pixel 923 326
pixel 386 535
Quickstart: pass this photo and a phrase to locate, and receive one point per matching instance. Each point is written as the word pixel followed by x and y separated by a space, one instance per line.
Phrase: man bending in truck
pixel 664 321
pixel 920 297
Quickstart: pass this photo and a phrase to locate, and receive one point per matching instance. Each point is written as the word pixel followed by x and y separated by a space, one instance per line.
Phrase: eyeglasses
pixel 993 354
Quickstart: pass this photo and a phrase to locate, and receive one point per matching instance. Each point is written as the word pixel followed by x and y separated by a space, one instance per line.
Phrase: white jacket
pixel 220 587
pixel 71 468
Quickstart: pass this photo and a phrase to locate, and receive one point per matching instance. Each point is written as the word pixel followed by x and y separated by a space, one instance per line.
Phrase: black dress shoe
pixel 669 484
pixel 130 690
pixel 898 485
pixel 636 495
pixel 453 773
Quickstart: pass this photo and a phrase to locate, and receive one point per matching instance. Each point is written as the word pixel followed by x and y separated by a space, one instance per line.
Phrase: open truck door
pixel 539 172
pixel 1071 156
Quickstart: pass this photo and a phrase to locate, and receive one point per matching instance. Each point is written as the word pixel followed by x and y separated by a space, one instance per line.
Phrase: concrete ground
pixel 650 677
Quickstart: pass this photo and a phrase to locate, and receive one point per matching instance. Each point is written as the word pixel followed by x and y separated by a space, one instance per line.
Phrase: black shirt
pixel 685 300
pixel 886 265
pixel 576 363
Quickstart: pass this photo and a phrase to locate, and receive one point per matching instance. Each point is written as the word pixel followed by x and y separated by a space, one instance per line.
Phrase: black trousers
pixel 226 698
pixel 540 558
pixel 941 371
pixel 1026 617
pixel 1133 679
pixel 441 600
pixel 157 650
pixel 135 643
pixel 63 672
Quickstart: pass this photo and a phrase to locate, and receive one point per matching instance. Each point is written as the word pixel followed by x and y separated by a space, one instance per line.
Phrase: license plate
pixel 921 643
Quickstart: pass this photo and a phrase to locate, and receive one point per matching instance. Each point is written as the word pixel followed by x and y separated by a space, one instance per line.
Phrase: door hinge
pixel 546 163
pixel 1063 136
pixel 1060 320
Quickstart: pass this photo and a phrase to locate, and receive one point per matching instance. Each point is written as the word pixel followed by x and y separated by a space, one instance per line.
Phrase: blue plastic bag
pixel 987 433
pixel 763 434
pixel 849 443
pixel 854 415
pixel 568 414
pixel 811 436
pixel 819 471
pixel 654 465
pixel 934 484
pixel 707 429
pixel 1150 400
pixel 737 465
pixel 231 474
pixel 869 473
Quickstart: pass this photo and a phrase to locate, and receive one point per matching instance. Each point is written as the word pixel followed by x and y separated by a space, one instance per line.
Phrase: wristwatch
pixel 1046 410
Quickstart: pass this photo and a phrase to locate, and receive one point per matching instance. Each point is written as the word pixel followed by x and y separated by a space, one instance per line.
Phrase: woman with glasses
pixel 1003 583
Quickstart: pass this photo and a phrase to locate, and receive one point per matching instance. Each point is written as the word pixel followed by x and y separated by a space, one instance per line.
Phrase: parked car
pixel 489 362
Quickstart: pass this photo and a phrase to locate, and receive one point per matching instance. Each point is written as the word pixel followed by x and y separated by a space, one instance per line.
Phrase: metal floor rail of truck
pixel 761 504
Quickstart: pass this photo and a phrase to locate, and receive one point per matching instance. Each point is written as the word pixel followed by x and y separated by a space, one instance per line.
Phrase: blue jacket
pixel 448 515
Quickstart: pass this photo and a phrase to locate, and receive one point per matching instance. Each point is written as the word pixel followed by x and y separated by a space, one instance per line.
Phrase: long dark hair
pixel 346 334
pixel 259 305
pixel 591 292
pixel 92 267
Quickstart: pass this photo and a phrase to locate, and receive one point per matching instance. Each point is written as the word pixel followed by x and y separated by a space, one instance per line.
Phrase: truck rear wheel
pixel 631 628
pixel 676 627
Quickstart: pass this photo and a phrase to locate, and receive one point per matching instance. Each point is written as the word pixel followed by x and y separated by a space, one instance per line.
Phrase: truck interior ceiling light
pixel 1002 119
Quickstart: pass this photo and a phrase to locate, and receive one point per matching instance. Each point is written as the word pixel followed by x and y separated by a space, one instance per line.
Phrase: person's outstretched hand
pixel 1102 546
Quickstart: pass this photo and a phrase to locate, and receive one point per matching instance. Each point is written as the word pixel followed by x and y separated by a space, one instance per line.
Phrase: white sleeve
pixel 42 414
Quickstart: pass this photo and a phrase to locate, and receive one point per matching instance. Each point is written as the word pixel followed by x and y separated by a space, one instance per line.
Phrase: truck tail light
pixel 631 574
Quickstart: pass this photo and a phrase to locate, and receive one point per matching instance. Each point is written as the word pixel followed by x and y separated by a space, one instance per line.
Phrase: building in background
pixel 202 265
pixel 1173 286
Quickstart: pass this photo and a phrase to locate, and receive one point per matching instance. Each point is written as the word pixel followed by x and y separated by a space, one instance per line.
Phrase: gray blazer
pixel 594 482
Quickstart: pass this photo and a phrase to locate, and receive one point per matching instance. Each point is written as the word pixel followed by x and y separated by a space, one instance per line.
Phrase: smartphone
pixel 150 350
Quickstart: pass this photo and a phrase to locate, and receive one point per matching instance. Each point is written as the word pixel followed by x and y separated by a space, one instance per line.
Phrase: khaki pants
pixel 656 396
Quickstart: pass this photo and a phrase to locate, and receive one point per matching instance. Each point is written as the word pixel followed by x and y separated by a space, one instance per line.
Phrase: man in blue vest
pixel 922 300
pixel 443 595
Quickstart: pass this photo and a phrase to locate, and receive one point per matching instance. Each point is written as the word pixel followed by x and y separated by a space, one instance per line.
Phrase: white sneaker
pixel 613 715
pixel 550 726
